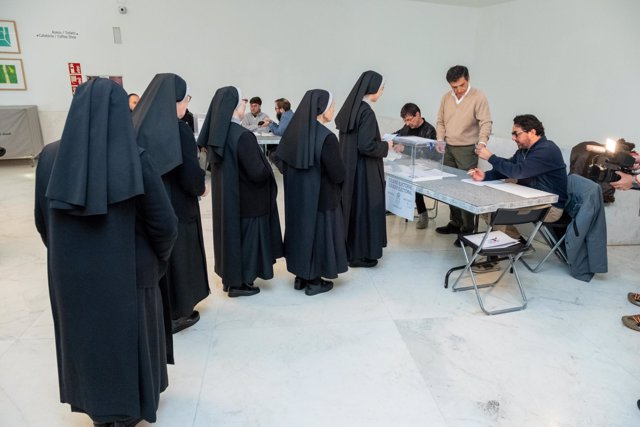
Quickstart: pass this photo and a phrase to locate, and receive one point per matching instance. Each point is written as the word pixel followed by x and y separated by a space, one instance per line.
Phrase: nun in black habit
pixel 363 198
pixel 109 227
pixel 314 239
pixel 173 148
pixel 246 228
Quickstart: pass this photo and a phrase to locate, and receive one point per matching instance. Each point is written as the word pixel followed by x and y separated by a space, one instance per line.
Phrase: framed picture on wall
pixel 12 74
pixel 9 37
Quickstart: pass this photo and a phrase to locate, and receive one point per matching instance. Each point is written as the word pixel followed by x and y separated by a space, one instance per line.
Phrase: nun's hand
pixel 206 191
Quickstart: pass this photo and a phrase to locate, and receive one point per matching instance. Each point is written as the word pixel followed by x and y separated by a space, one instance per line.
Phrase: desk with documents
pixel 472 198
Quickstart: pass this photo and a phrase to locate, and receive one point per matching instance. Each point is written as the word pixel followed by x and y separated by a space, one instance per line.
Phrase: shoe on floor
pixel 245 290
pixel 364 262
pixel 485 268
pixel 457 243
pixel 128 422
pixel 448 229
pixel 423 221
pixel 299 284
pixel 184 322
pixel 634 298
pixel 529 250
pixel 632 322
pixel 318 286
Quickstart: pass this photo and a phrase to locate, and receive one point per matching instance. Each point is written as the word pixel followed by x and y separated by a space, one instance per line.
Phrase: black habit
pixel 171 143
pixel 363 191
pixel 314 239
pixel 108 225
pixel 246 227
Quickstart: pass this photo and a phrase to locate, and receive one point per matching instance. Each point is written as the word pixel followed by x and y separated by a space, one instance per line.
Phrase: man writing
pixel 464 120
pixel 537 163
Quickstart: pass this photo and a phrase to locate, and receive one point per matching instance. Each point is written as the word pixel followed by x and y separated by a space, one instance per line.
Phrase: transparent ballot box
pixel 415 158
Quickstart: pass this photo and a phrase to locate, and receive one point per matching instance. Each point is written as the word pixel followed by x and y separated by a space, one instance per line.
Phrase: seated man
pixel 283 113
pixel 252 121
pixel 537 163
pixel 416 125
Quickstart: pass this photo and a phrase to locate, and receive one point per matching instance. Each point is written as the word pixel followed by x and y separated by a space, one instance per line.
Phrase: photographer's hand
pixel 624 183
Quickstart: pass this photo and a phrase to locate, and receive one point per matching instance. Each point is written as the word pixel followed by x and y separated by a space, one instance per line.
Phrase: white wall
pixel 268 48
pixel 572 63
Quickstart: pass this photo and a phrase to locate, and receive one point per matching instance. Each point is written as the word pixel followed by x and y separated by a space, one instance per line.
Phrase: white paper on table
pixel 481 183
pixel 496 239
pixel 519 190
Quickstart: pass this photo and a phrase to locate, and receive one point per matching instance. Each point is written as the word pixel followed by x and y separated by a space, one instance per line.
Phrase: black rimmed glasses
pixel 516 133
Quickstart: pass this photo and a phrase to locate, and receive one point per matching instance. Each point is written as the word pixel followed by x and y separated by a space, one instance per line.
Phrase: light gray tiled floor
pixel 387 347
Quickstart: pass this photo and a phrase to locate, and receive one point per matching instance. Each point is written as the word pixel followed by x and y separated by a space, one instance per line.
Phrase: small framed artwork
pixel 9 37
pixel 12 74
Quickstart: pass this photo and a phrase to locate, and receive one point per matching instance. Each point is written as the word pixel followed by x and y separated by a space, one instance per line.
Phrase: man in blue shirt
pixel 537 163
pixel 284 115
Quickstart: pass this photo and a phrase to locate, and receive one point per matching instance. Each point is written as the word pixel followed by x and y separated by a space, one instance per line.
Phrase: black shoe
pixel 457 243
pixel 638 403
pixel 96 424
pixel 245 290
pixel 225 288
pixel 184 322
pixel 448 229
pixel 364 262
pixel 128 422
pixel 318 286
pixel 299 283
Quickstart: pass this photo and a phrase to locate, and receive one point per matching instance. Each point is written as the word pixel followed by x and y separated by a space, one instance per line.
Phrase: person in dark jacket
pixel 108 226
pixel 416 125
pixel 314 239
pixel 247 238
pixel 537 163
pixel 173 148
pixel 363 198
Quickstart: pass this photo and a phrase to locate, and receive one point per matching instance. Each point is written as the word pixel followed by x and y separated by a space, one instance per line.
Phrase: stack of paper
pixel 496 239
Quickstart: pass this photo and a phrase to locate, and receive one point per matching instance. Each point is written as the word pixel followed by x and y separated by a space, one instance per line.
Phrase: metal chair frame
pixel 511 253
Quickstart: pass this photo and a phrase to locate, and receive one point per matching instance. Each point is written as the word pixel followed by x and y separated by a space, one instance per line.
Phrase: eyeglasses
pixel 517 133
pixel 408 118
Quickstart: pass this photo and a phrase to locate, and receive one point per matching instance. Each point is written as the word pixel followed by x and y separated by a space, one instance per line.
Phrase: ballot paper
pixel 496 239
pixel 509 187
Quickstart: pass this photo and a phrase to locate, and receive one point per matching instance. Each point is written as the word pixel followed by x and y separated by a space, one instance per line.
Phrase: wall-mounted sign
pixel 58 35
pixel 75 75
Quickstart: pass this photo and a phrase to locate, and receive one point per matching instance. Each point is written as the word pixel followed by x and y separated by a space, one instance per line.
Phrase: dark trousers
pixel 465 158
pixel 422 208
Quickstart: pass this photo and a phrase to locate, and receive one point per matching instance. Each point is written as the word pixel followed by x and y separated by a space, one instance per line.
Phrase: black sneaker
pixel 184 322
pixel 299 284
pixel 448 229
pixel 318 286
pixel 245 290
pixel 364 262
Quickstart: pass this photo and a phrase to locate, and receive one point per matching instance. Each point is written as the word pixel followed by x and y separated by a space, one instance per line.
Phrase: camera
pixel 604 166
pixel 122 9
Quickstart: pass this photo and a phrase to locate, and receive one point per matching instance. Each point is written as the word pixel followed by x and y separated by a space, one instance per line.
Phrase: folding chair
pixel 512 253
pixel 553 234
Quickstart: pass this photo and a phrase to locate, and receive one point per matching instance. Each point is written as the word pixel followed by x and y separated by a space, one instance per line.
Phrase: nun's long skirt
pixel 329 257
pixel 187 278
pixel 152 360
pixel 258 254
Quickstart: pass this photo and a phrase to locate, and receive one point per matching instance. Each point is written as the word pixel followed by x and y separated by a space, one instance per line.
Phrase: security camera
pixel 122 9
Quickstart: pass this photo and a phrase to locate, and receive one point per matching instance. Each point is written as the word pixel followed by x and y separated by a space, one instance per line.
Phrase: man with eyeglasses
pixel 537 163
pixel 464 121
pixel 416 125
